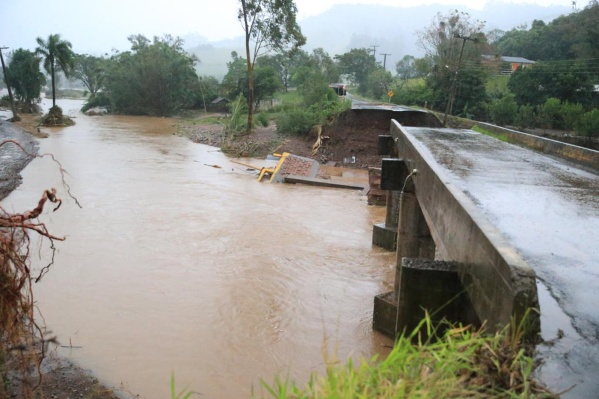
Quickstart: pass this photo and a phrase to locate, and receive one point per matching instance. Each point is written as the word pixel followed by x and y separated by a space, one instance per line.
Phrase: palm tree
pixel 56 53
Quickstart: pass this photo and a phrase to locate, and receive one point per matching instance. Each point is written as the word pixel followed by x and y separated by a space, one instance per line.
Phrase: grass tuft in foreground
pixel 460 364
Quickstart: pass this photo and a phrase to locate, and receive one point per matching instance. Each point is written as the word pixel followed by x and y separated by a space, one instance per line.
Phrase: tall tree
pixel 91 71
pixel 566 38
pixel 327 66
pixel 25 76
pixel 379 83
pixel 406 69
pixel 154 78
pixel 454 42
pixel 15 117
pixel 267 79
pixel 270 25
pixel 57 54
pixel 236 76
pixel 357 64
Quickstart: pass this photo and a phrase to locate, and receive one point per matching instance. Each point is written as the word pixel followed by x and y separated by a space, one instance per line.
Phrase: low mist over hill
pixel 392 29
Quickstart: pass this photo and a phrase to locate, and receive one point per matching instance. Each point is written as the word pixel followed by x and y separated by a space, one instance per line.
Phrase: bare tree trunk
pixel 203 98
pixel 250 99
pixel 15 117
pixel 250 67
pixel 53 84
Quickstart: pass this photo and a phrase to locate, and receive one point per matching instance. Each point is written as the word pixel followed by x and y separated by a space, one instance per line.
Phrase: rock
pixel 96 111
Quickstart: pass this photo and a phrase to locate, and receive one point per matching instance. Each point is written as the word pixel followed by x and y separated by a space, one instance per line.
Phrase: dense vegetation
pixel 26 77
pixel 558 92
pixel 154 78
pixel 458 75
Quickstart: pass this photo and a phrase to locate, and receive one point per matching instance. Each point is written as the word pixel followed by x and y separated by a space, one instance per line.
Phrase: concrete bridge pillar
pixel 433 287
pixel 393 172
pixel 421 283
pixel 384 235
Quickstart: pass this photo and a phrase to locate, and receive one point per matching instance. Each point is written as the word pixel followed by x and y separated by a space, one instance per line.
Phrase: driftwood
pixel 21 220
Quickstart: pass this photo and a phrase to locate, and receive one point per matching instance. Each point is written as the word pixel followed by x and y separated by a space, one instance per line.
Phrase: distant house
pixel 219 104
pixel 507 65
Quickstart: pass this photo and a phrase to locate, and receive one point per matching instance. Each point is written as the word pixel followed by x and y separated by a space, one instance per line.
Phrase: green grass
pixel 501 137
pixel 461 364
pixel 183 394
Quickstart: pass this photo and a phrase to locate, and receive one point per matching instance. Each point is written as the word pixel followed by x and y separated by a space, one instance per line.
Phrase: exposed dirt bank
pixel 340 142
pixel 13 159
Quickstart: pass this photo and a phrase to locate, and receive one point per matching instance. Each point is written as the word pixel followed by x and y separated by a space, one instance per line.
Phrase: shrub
pixel 297 121
pixel 550 114
pixel 504 110
pixel 571 113
pixel 5 101
pixel 314 92
pixel 419 96
pixel 262 119
pixel 55 117
pixel 98 100
pixel 238 110
pixel 588 124
pixel 527 117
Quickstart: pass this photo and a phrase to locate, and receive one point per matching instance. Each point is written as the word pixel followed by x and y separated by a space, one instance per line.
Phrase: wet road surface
pixel 548 209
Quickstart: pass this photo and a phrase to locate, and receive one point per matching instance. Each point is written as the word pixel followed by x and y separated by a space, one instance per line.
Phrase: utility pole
pixel 15 117
pixel 449 106
pixel 373 49
pixel 385 60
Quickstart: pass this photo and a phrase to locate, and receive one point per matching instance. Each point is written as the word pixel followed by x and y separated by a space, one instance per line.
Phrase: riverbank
pixel 13 158
pixel 62 379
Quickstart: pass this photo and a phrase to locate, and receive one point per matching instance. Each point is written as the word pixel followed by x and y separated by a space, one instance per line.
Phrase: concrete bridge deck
pixel 548 210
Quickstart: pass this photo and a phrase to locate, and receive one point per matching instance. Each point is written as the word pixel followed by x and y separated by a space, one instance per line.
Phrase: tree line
pixel 157 77
pixel 459 73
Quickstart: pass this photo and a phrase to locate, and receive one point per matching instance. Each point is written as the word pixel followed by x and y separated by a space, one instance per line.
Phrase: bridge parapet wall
pixel 500 284
pixel 577 154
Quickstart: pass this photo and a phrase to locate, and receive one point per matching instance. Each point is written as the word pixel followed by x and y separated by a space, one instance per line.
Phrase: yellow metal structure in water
pixel 270 171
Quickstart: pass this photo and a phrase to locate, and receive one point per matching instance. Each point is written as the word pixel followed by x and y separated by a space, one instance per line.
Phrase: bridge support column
pixel 425 285
pixel 393 174
pixel 414 239
pixel 384 235
pixel 433 287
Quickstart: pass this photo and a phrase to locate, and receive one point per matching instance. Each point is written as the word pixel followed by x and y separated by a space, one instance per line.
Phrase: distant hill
pixel 392 29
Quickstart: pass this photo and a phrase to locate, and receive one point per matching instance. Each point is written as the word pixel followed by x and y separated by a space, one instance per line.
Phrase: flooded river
pixel 175 266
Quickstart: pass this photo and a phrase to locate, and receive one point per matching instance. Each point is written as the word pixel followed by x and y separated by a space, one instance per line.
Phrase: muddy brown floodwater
pixel 174 266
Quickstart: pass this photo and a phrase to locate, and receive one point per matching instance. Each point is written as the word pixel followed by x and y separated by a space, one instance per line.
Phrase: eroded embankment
pixel 12 158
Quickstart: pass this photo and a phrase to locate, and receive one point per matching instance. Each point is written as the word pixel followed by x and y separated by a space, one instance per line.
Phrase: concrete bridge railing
pixel 437 217
pixel 579 155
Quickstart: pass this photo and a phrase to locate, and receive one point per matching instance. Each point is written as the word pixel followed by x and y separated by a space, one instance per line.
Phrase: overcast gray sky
pixel 96 27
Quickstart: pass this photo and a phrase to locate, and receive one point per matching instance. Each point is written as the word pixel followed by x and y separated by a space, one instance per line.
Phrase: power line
pixel 385 60
pixel 373 49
